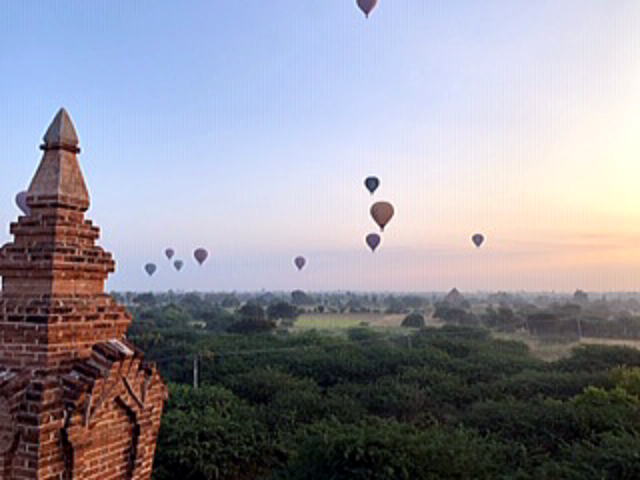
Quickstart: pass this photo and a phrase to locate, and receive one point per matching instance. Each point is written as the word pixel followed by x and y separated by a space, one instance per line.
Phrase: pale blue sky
pixel 247 127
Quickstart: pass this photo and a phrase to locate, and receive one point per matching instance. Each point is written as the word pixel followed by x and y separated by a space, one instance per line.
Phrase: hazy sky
pixel 247 127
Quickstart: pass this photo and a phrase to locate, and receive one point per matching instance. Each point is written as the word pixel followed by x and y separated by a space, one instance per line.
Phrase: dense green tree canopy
pixel 434 403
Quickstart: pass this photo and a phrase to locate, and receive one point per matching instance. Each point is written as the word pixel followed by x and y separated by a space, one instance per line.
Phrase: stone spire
pixel 59 181
pixel 54 251
pixel 61 134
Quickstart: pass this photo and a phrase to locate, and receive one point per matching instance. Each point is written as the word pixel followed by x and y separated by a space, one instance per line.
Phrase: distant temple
pixel 580 296
pixel 77 401
pixel 454 298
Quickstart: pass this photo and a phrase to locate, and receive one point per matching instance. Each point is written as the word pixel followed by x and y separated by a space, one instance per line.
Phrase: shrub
pixel 414 320
pixel 250 325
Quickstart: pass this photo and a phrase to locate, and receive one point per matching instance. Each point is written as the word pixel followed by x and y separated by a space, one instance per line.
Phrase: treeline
pixel 251 313
pixel 346 302
pixel 262 312
pixel 449 403
pixel 193 312
pixel 559 322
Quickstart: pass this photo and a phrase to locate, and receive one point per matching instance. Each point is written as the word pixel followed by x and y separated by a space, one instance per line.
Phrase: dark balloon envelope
pixel 477 239
pixel 382 212
pixel 169 252
pixel 150 268
pixel 21 202
pixel 300 262
pixel 373 240
pixel 178 264
pixel 200 255
pixel 367 6
pixel 372 184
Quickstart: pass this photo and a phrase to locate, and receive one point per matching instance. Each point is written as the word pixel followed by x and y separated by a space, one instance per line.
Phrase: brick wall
pixel 77 401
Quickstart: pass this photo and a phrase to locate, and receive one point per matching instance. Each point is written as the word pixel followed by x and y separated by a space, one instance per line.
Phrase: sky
pixel 248 127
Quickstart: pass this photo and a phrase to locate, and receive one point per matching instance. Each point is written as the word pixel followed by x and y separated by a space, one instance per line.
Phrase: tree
pixel 282 311
pixel 593 358
pixel 503 319
pixel 459 404
pixel 261 385
pixel 192 301
pixel 218 319
pixel 568 310
pixel 414 301
pixel 145 299
pixel 210 434
pixel 386 450
pixel 298 297
pixel 173 316
pixel 251 325
pixel 580 297
pixel 251 311
pixel 550 325
pixel 395 306
pixel 230 301
pixel 455 315
pixel 414 320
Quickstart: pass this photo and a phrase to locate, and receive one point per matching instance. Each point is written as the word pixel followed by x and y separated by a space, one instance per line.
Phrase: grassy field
pixel 346 320
pixel 548 351
pixel 551 351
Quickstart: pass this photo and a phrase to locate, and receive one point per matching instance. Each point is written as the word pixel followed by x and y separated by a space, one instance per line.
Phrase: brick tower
pixel 77 401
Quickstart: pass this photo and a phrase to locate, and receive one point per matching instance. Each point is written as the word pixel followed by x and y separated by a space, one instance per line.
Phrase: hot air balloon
pixel 367 6
pixel 300 262
pixel 169 252
pixel 150 268
pixel 21 201
pixel 200 255
pixel 373 240
pixel 372 184
pixel 178 264
pixel 478 239
pixel 382 212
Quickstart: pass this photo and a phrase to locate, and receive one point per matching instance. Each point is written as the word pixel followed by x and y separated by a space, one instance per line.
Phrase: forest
pixel 450 397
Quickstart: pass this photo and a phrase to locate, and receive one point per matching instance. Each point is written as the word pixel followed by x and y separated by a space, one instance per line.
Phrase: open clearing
pixel 551 351
pixel 548 351
pixel 346 320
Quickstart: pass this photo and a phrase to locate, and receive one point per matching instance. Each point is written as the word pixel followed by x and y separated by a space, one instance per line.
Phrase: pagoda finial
pixel 58 182
pixel 61 134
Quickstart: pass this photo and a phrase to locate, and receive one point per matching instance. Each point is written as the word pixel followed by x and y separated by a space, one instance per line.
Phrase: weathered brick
pixel 77 401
